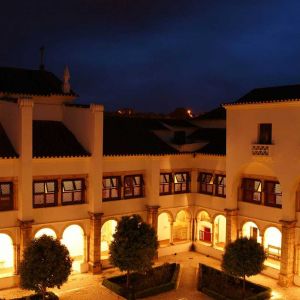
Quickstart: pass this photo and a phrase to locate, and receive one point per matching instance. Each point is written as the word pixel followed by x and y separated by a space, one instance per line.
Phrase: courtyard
pixel 88 287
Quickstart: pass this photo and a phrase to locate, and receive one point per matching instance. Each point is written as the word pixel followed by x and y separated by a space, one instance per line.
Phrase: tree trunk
pixel 43 289
pixel 244 286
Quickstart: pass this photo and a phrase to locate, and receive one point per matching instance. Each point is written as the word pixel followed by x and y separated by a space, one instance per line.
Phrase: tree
pixel 244 257
pixel 46 264
pixel 134 246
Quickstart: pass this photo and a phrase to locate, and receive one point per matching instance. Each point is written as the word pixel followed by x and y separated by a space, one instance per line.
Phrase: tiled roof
pixel 30 82
pixel 54 139
pixel 270 94
pixel 133 136
pixel 215 114
pixel 6 148
pixel 216 138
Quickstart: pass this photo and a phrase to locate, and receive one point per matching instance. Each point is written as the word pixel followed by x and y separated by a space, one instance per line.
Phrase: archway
pixel 220 231
pixel 204 231
pixel 107 231
pixel 45 231
pixel 6 255
pixel 181 227
pixel 250 230
pixel 73 239
pixel 164 229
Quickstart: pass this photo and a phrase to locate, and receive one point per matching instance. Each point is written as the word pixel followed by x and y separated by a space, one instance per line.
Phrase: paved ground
pixel 87 286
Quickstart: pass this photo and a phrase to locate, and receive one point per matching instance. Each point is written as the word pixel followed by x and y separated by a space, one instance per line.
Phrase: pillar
pixel 231 225
pixel 152 216
pixel 286 275
pixel 25 235
pixel 171 233
pixel 16 258
pixel 95 243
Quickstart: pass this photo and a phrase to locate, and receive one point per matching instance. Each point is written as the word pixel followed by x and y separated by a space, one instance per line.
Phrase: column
pixel 95 243
pixel 286 276
pixel 171 233
pixel 152 216
pixel 194 181
pixel 231 225
pixel 25 235
pixel 152 180
pixel 16 258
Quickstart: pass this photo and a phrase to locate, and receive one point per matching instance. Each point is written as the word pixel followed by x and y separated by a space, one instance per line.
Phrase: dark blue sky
pixel 157 55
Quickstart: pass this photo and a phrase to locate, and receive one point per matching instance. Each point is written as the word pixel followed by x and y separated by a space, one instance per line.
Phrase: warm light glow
pixel 163 228
pixel 73 238
pixel 250 230
pixel 272 237
pixel 107 231
pixel 6 255
pixel 180 229
pixel 220 231
pixel 46 231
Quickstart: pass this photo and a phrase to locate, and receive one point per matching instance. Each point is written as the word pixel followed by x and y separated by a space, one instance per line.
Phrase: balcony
pixel 262 150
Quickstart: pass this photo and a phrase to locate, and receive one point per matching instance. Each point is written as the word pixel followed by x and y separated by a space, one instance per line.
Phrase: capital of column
pixel 288 224
pixel 25 224
pixel 231 212
pixel 95 216
pixel 25 102
pixel 152 208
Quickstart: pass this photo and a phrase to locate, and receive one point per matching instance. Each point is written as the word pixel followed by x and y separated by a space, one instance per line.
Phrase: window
pixel 265 134
pixel 44 193
pixel 111 188
pixel 6 196
pixel 165 184
pixel 133 186
pixel 72 191
pixel 206 183
pixel 181 182
pixel 273 193
pixel 251 189
pixel 220 181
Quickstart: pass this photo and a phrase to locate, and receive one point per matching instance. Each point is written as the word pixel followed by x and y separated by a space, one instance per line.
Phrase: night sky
pixel 160 54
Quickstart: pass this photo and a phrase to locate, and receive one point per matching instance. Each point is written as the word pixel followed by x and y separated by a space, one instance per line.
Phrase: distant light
pixel 190 113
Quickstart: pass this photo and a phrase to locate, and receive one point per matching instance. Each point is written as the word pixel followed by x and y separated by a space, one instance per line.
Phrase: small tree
pixel 46 264
pixel 244 257
pixel 134 246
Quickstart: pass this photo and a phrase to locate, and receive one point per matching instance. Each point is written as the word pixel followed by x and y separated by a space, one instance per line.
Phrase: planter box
pixel 214 283
pixel 114 285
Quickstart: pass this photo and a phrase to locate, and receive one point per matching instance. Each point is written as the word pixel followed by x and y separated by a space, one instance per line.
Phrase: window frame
pixel 252 191
pixel 217 185
pixel 180 184
pixel 73 202
pixel 9 202
pixel 206 184
pixel 265 134
pixel 118 188
pixel 133 186
pixel 168 184
pixel 267 201
pixel 55 193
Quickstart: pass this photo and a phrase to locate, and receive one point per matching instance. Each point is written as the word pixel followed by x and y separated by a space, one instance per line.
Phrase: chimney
pixel 66 84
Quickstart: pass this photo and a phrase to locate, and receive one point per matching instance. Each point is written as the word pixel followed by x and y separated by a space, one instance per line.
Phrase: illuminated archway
pixel 107 231
pixel 220 231
pixel 6 255
pixel 73 239
pixel 250 230
pixel 204 231
pixel 163 229
pixel 272 242
pixel 181 227
pixel 45 231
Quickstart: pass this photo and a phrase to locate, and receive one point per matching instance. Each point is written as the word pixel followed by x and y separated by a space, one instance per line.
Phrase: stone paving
pixel 88 287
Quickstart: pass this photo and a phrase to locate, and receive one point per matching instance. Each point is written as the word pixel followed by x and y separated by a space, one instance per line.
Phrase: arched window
pixel 107 231
pixel 204 227
pixel 181 227
pixel 163 229
pixel 6 255
pixel 220 231
pixel 250 230
pixel 45 231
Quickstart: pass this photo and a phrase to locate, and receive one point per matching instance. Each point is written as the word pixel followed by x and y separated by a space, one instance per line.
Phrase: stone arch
pixel 51 232
pixel 219 231
pixel 164 221
pixel 204 229
pixel 7 255
pixel 73 238
pixel 169 213
pixel 200 211
pixel 181 226
pixel 250 229
pixel 108 228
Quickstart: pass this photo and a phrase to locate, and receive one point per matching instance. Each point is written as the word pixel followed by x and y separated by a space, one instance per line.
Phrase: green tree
pixel 244 257
pixel 134 246
pixel 46 264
